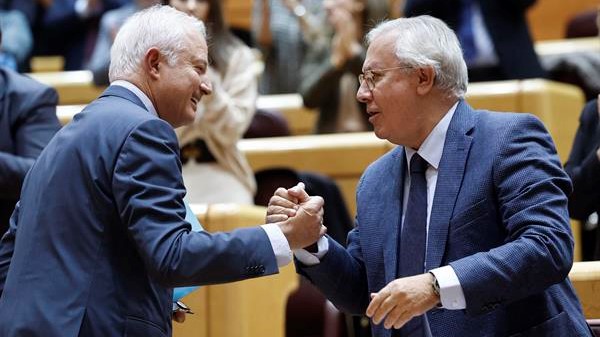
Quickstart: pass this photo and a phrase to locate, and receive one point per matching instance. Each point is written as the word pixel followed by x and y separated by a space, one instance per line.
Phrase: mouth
pixel 195 102
pixel 372 114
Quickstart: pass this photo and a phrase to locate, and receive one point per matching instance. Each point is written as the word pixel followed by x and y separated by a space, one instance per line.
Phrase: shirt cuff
pixel 451 293
pixel 281 248
pixel 311 259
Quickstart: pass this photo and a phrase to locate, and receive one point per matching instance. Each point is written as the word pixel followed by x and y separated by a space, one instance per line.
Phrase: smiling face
pixel 180 86
pixel 392 101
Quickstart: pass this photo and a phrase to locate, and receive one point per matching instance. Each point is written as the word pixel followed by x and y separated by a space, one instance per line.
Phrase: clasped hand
pixel 298 215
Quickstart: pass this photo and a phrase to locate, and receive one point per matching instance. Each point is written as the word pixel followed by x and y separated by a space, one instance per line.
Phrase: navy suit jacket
pixel 506 23
pixel 27 123
pixel 499 218
pixel 99 237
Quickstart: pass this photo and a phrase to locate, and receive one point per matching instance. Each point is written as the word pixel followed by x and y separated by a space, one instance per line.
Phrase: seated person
pixel 583 167
pixel 109 26
pixel 27 123
pixel 214 170
pixel 332 64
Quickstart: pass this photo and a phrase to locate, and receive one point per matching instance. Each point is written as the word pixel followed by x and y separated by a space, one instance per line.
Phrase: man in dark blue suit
pixel 99 236
pixel 463 229
pixel 27 123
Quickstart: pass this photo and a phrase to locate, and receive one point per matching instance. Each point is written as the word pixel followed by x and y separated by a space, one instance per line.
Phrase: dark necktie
pixel 465 31
pixel 414 236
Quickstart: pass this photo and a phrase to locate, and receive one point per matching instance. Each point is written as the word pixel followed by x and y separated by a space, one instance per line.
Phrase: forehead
pixel 381 52
pixel 197 47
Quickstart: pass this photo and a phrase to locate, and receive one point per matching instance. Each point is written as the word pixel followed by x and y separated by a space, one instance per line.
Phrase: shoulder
pixel 22 90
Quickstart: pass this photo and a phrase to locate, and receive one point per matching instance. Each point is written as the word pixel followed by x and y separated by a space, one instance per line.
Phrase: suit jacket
pixel 499 218
pixel 27 123
pixel 506 23
pixel 583 167
pixel 99 237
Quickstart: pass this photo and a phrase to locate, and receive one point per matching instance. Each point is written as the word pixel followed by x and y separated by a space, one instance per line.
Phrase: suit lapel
pixel 392 216
pixel 450 177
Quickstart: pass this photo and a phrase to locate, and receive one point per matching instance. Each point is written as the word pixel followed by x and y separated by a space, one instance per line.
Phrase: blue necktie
pixel 465 31
pixel 414 236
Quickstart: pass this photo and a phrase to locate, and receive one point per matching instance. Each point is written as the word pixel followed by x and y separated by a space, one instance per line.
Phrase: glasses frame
pixel 368 76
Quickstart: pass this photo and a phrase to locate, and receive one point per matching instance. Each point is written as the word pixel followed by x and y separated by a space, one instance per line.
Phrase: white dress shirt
pixel 281 248
pixel 451 293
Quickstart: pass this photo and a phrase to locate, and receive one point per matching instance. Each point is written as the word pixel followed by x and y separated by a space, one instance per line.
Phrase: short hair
pixel 426 41
pixel 159 26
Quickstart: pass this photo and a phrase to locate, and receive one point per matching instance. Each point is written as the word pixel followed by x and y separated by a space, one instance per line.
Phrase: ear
pixel 426 80
pixel 151 63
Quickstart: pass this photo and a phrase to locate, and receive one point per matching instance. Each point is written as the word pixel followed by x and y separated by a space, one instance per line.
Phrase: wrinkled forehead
pixel 381 52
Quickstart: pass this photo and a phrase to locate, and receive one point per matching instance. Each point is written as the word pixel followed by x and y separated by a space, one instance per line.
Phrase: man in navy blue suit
pixel 463 229
pixel 27 123
pixel 99 236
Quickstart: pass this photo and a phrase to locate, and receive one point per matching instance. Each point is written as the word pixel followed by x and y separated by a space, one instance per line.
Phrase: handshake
pixel 298 215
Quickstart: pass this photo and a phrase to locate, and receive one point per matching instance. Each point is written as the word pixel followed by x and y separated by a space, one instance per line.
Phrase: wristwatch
pixel 435 285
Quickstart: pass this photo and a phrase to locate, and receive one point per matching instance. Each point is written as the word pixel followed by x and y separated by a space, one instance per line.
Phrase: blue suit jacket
pixel 99 237
pixel 499 218
pixel 27 123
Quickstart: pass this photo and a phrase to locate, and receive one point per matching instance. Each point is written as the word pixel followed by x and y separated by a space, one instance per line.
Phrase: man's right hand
pixel 298 215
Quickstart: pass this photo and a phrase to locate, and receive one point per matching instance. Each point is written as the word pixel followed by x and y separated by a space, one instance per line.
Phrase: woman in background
pixel 214 170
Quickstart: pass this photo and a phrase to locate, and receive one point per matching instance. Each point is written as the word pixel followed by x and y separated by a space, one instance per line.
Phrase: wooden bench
pixel 586 280
pixel 242 309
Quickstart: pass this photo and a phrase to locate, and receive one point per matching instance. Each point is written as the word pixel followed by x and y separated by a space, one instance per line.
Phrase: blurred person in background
pixel 333 62
pixel 27 123
pixel 214 170
pixel 109 26
pixel 493 34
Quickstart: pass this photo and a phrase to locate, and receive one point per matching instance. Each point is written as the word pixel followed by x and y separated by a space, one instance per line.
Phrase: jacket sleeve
pixel 7 247
pixel 531 193
pixel 149 191
pixel 35 124
pixel 583 165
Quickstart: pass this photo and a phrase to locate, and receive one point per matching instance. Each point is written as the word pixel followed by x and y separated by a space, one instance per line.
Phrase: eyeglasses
pixel 371 76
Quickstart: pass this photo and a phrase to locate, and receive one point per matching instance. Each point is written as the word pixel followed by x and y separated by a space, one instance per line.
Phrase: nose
pixel 206 87
pixel 364 95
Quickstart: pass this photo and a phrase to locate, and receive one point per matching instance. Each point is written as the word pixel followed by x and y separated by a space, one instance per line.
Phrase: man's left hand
pixel 402 299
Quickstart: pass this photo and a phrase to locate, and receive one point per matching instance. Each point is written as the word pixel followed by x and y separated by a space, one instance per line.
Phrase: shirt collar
pixel 433 146
pixel 140 94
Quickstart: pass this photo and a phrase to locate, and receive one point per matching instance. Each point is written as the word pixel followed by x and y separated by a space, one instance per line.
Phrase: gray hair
pixel 159 26
pixel 426 41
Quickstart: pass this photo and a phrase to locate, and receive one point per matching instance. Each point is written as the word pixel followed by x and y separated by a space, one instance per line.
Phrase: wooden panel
pixel 558 106
pixel 586 280
pixel 568 46
pixel 73 87
pixel 252 307
pixel 238 13
pixel 195 325
pixel 548 18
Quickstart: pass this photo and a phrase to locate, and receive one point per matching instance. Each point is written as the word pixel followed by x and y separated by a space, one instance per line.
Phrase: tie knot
pixel 417 164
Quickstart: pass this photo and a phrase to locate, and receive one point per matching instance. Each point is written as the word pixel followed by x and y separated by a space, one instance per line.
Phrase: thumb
pixel 313 204
pixel 299 192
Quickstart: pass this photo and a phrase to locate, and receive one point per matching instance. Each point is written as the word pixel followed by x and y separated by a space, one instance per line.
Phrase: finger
pixel 314 204
pixel 393 318
pixel 299 192
pixel 280 201
pixel 272 209
pixel 283 193
pixel 276 218
pixel 384 309
pixel 402 320
pixel 323 231
pixel 376 299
